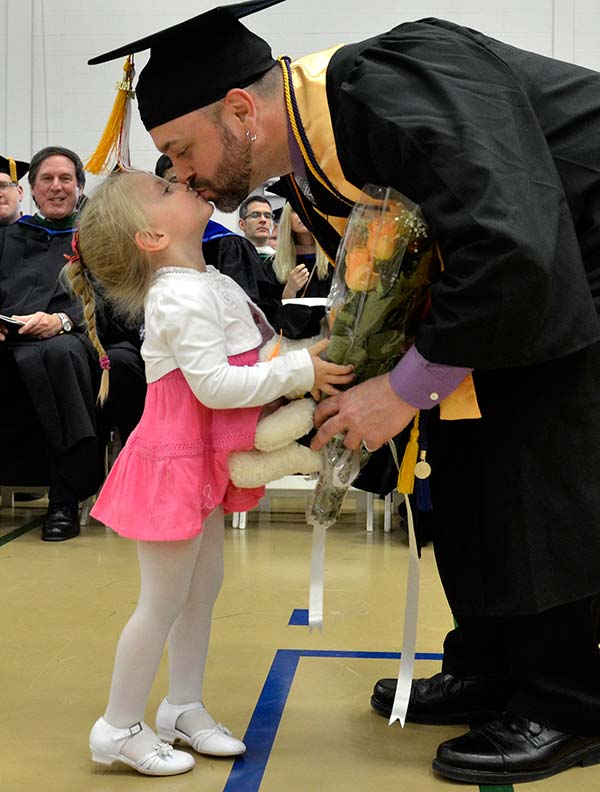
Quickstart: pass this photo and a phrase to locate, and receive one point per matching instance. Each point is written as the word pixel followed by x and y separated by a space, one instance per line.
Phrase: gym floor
pixel 300 700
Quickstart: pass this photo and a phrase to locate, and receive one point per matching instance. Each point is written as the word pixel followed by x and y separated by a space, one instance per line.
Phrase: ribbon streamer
pixel 411 614
pixel 317 575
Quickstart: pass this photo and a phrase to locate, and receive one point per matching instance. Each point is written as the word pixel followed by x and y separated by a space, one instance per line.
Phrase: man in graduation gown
pixel 11 192
pixel 499 148
pixel 48 367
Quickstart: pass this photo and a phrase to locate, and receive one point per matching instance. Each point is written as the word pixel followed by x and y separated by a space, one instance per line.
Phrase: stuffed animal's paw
pixel 284 425
pixel 249 469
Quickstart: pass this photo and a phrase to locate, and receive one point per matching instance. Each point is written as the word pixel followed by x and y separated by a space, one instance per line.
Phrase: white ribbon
pixel 317 574
pixel 411 613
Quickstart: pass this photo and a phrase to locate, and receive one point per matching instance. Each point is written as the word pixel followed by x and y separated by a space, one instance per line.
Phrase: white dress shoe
pixel 106 743
pixel 214 741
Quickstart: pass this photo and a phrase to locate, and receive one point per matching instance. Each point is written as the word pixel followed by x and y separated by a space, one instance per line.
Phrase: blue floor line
pixel 248 770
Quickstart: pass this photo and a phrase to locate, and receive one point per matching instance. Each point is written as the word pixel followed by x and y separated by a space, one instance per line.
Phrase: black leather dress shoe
pixel 445 699
pixel 512 750
pixel 61 522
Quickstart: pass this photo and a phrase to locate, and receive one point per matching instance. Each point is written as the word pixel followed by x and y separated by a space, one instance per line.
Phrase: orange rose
pixel 359 274
pixel 383 236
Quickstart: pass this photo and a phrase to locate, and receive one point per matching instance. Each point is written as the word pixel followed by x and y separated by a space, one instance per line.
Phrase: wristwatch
pixel 66 323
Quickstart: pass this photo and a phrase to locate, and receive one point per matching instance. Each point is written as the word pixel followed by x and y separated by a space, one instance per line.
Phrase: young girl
pixel 299 263
pixel 141 239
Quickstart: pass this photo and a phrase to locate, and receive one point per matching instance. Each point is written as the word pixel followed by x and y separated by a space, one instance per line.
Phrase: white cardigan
pixel 195 320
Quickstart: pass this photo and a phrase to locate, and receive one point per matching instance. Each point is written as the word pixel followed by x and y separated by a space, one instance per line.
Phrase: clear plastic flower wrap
pixel 379 293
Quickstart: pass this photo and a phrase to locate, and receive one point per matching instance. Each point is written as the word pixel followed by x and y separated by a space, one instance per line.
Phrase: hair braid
pixel 80 282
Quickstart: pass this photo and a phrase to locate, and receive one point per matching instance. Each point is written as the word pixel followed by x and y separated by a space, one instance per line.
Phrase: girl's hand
pixel 296 281
pixel 327 375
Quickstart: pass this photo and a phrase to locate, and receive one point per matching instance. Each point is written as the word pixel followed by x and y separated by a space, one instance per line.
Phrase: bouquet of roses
pixel 378 295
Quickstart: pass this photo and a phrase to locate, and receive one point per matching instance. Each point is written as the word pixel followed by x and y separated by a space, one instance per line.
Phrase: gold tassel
pixel 12 166
pixel 103 157
pixel 406 476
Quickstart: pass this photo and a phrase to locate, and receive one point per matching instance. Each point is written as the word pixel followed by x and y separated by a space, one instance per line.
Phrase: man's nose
pixel 184 173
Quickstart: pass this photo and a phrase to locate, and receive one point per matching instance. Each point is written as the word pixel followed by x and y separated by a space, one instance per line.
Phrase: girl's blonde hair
pixel 284 259
pixel 108 256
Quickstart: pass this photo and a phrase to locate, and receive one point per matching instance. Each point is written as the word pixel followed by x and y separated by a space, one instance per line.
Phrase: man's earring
pixel 250 137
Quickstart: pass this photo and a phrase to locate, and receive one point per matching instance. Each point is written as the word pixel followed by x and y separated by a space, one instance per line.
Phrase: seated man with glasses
pixel 11 192
pixel 256 223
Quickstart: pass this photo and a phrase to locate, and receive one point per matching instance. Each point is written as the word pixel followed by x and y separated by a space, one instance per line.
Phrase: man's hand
pixel 40 324
pixel 370 411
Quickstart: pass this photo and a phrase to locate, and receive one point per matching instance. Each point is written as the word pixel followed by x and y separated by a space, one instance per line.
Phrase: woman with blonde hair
pixel 140 238
pixel 299 263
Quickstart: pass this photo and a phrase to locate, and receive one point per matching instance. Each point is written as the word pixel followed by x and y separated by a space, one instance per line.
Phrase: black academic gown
pixel 237 257
pixel 499 148
pixel 60 375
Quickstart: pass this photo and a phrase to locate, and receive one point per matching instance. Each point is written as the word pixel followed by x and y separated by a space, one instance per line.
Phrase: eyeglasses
pixel 257 215
pixel 7 185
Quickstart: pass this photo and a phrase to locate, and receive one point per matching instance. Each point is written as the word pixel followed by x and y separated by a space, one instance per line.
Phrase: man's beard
pixel 232 177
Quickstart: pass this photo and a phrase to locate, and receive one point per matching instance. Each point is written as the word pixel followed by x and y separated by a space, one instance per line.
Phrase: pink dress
pixel 172 472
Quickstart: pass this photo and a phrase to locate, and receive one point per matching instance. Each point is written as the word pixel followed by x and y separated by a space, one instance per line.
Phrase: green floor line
pixel 22 529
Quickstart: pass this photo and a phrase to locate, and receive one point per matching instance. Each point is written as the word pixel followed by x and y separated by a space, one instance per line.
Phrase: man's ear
pixel 151 241
pixel 242 223
pixel 239 106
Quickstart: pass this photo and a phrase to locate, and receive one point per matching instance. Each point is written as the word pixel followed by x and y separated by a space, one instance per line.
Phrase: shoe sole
pixel 173 736
pixel 468 718
pixel 585 757
pixel 106 759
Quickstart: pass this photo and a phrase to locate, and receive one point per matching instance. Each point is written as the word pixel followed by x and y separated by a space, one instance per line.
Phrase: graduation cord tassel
pixel 423 470
pixel 113 147
pixel 406 476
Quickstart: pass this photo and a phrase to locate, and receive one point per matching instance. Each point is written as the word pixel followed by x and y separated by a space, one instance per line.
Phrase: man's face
pixel 11 195
pixel 55 190
pixel 258 223
pixel 208 156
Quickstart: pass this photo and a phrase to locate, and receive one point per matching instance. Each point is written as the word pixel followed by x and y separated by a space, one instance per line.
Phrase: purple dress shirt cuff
pixel 423 384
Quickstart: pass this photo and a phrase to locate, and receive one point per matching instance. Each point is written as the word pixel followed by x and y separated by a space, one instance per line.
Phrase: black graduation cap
pixel 196 62
pixel 15 169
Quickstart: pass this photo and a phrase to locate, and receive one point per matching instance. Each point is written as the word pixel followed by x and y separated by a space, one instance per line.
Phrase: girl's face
pixel 297 225
pixel 173 208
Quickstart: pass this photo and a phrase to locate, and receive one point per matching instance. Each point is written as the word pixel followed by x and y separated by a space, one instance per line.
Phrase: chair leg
pixel 387 512
pixel 370 501
pixel 7 496
pixel 242 525
pixel 235 520
pixel 86 507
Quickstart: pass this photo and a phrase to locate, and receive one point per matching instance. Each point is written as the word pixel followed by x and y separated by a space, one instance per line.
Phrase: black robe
pixel 237 257
pixel 56 378
pixel 500 149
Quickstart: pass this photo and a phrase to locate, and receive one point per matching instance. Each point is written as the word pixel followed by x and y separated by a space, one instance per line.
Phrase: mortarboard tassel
pixel 406 476
pixel 114 142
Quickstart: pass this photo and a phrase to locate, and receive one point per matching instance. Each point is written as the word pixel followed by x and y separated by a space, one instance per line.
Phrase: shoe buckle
pixel 135 729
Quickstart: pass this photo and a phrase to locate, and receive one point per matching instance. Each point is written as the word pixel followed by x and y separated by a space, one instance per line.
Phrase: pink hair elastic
pixel 75 248
pixel 105 362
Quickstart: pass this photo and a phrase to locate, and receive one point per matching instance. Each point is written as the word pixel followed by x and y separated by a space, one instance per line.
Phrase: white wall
pixel 50 96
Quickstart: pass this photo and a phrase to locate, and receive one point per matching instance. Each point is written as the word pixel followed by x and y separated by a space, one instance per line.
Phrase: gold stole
pixel 308 77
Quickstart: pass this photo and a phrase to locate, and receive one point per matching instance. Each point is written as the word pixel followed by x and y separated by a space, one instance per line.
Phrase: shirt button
pixel 434 396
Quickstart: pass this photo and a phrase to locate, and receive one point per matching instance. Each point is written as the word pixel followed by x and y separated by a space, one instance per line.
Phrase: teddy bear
pixel 276 452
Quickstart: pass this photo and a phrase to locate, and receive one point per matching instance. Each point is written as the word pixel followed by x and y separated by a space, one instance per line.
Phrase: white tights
pixel 180 582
